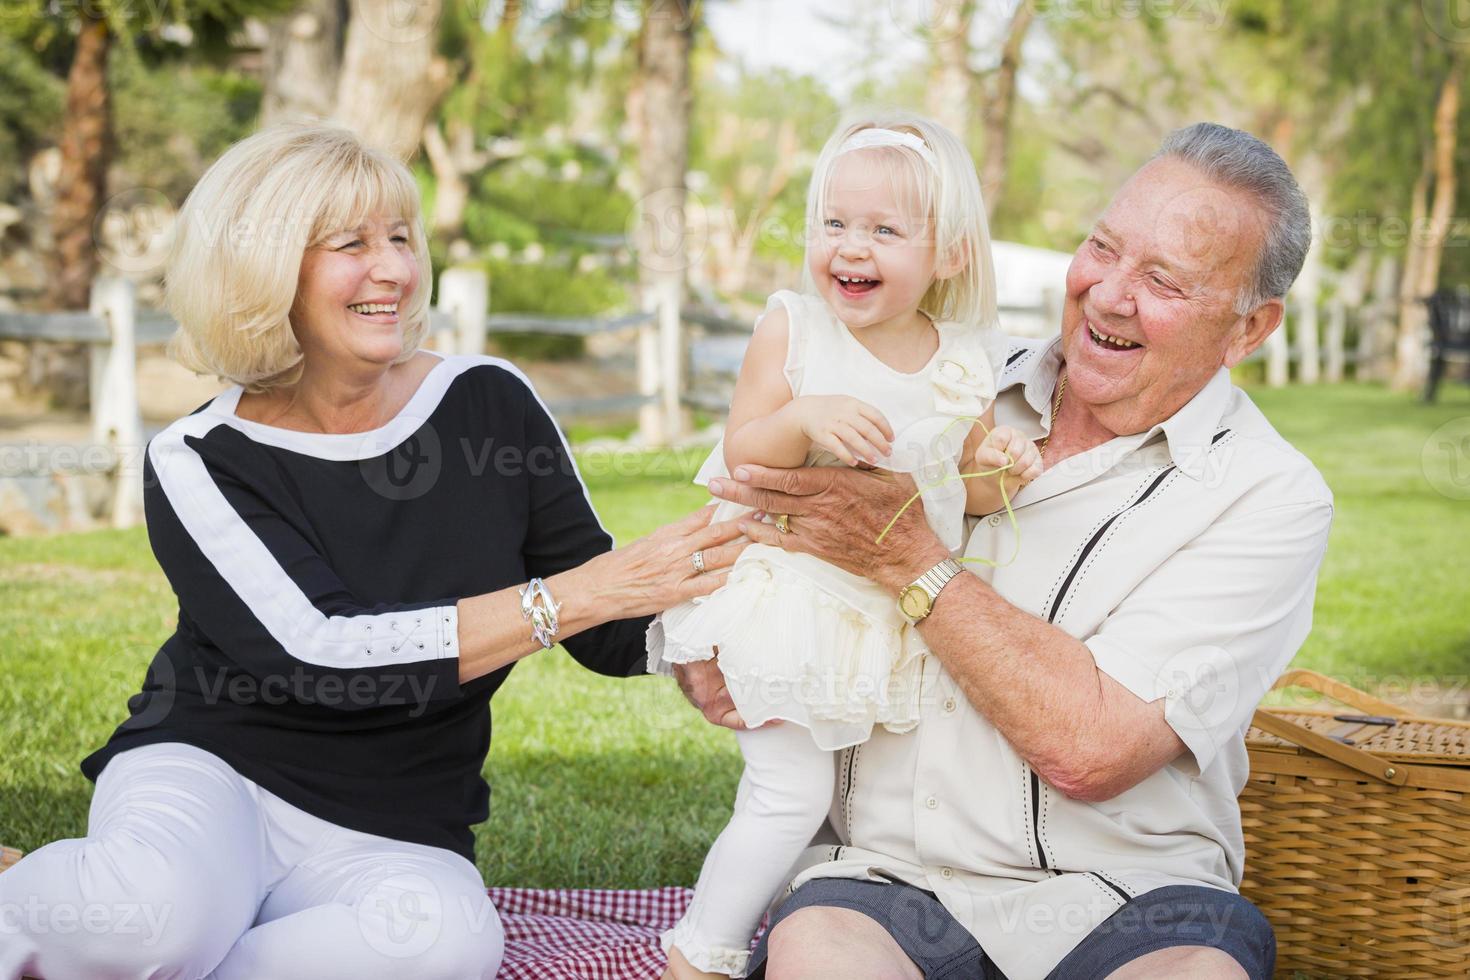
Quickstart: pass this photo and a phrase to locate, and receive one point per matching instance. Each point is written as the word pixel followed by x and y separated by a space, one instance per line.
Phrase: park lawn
pixel 600 782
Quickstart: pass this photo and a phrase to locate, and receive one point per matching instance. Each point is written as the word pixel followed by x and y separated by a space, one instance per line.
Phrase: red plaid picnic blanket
pixel 586 934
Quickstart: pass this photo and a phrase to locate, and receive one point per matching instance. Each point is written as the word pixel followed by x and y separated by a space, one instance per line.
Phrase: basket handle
pixel 1364 762
pixel 1338 691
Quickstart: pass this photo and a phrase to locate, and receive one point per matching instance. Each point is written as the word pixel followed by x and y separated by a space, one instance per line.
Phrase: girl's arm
pixel 986 452
pixel 761 428
pixel 769 427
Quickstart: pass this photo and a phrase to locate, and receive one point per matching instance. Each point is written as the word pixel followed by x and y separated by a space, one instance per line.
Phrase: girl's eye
pixel 401 238
pixel 884 229
pixel 832 223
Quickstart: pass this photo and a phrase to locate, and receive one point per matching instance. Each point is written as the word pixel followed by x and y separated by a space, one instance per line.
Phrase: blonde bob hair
pixel 239 239
pixel 943 189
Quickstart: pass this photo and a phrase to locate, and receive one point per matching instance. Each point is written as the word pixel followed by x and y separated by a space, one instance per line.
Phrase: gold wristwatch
pixel 916 600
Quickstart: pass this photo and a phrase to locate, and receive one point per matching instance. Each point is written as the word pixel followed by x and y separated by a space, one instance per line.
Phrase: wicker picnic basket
pixel 1357 832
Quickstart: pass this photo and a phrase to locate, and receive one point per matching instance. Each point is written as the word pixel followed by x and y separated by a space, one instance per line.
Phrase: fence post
pixel 1307 291
pixel 671 357
pixel 650 414
pixel 464 294
pixel 116 419
pixel 1278 357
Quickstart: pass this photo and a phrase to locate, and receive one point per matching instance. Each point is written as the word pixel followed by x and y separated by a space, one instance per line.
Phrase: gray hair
pixel 1240 160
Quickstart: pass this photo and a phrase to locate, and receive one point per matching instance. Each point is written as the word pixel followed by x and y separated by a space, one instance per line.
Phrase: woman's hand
pixel 657 571
pixel 837 515
pixel 850 429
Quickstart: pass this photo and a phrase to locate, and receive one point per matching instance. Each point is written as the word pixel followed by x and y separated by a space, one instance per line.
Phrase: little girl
pixel 885 360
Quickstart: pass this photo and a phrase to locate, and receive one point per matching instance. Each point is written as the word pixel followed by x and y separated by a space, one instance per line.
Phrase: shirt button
pixel 995 520
pixel 949 705
pixel 946 873
pixel 932 803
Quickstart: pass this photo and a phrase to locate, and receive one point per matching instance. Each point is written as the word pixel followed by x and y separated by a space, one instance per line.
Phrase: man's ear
pixel 953 261
pixel 1251 330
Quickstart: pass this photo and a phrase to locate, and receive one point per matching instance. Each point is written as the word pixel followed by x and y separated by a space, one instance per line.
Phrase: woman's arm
pixel 645 577
pixel 253 585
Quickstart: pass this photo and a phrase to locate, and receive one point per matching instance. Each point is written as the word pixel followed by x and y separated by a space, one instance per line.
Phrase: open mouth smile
pixel 377 312
pixel 1108 342
pixel 854 286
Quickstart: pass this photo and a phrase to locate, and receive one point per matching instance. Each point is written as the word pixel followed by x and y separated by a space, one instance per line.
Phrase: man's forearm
pixel 1039 686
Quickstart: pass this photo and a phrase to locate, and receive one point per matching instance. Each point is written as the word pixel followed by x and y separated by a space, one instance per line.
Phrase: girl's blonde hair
pixel 240 237
pixel 948 195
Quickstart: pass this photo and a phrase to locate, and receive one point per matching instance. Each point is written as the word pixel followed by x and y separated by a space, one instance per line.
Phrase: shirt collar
pixel 1190 431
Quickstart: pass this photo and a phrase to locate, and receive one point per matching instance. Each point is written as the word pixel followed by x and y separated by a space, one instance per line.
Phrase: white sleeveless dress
pixel 801 640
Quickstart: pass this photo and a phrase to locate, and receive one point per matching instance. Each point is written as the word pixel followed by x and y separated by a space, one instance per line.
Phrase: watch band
pixel 938 577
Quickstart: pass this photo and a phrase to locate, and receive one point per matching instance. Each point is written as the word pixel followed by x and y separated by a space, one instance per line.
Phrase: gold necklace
pixel 1055 407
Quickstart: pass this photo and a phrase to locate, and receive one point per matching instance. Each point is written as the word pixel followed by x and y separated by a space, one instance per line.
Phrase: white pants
pixel 189 870
pixel 784 795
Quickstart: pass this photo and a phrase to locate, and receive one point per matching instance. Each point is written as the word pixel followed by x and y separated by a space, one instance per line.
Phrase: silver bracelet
pixel 539 608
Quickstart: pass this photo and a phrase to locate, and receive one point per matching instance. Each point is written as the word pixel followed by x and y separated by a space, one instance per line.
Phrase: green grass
pixel 600 782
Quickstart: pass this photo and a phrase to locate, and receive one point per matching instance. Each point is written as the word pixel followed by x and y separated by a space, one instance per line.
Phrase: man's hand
pixel 838 515
pixel 704 686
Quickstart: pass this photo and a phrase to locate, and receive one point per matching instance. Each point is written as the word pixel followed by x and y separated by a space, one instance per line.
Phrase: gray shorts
pixel 1177 915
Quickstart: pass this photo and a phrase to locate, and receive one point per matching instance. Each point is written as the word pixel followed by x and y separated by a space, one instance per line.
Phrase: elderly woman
pixel 364 538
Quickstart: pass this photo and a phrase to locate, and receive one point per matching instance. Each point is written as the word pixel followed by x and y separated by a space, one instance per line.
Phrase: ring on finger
pixel 783 523
pixel 698 560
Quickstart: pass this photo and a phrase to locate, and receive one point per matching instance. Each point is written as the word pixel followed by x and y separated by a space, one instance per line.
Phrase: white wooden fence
pixel 114 327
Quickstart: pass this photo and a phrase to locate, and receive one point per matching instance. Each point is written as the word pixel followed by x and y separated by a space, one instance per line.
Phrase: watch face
pixel 914 602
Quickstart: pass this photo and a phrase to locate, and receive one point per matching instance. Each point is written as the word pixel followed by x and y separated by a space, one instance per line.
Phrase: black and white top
pixel 317 649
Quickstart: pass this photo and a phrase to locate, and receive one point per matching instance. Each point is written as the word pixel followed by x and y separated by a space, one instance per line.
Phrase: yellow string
pixel 1004 496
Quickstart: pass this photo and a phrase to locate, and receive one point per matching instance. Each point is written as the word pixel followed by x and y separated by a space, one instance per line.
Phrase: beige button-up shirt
pixel 1185 558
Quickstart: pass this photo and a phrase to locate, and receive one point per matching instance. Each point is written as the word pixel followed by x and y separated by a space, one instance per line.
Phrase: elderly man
pixel 1067 806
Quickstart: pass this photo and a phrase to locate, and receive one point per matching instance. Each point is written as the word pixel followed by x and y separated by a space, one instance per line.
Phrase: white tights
pixel 784 795
pixel 189 870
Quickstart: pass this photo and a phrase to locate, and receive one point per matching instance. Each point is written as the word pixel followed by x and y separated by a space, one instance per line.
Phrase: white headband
pixel 865 138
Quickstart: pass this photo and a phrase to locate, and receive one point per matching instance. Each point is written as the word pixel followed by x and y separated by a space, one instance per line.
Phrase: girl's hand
pixel 657 571
pixel 1002 446
pixel 852 430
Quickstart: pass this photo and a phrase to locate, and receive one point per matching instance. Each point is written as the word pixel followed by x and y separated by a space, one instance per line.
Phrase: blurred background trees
pixel 537 130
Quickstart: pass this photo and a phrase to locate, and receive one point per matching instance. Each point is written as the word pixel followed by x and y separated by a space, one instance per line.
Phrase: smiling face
pixel 1150 309
pixel 351 289
pixel 873 259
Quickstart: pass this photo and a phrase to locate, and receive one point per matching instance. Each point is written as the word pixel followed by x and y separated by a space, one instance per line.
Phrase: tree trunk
pixel 303 62
pixel 1375 343
pixel 662 124
pixel 950 91
pixel 1410 361
pixel 999 106
pixel 86 151
pixel 391 77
